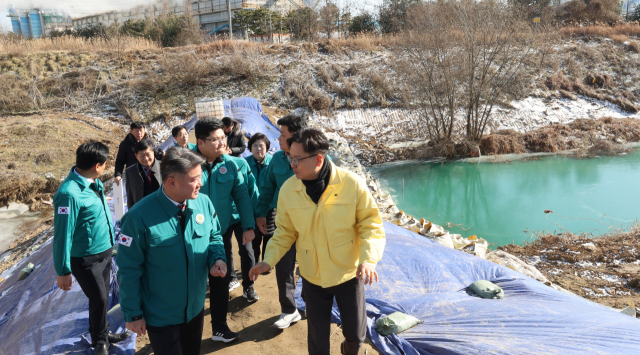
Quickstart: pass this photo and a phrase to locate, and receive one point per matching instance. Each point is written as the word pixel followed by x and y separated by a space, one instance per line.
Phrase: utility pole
pixel 230 23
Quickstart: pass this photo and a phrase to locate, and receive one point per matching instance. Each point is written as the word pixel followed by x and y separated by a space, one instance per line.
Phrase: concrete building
pixel 35 23
pixel 212 14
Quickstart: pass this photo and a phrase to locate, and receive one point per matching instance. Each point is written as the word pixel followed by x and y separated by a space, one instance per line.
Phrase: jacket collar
pixel 84 183
pixel 166 204
pixel 334 180
pixel 252 160
pixel 155 168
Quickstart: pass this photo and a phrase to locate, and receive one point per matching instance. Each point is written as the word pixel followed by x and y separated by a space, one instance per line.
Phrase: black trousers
pixel 93 274
pixel 180 339
pixel 353 312
pixel 261 240
pixel 285 269
pixel 219 286
pixel 247 259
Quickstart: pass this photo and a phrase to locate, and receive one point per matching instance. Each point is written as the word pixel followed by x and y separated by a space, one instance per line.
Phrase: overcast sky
pixel 79 8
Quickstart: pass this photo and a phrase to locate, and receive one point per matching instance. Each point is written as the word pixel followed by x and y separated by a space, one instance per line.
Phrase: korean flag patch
pixel 223 170
pixel 63 210
pixel 125 240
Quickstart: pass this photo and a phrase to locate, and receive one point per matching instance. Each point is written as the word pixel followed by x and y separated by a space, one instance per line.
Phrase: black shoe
pixel 101 349
pixel 250 294
pixel 118 337
pixel 224 334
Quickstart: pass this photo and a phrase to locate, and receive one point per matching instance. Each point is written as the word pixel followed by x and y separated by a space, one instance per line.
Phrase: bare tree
pixel 329 17
pixel 460 58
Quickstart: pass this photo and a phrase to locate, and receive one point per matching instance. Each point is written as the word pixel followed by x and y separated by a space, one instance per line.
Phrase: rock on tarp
pixel 429 281
pixel 36 317
pixel 248 112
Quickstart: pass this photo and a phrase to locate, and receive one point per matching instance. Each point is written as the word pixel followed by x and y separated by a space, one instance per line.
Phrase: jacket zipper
pixel 186 255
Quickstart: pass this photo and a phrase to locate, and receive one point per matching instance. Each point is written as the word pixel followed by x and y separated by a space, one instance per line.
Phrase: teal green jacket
pixel 162 271
pixel 224 184
pixel 252 187
pixel 189 146
pixel 82 222
pixel 271 180
pixel 255 167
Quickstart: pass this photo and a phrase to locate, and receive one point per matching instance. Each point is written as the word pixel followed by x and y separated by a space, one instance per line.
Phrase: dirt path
pixel 253 322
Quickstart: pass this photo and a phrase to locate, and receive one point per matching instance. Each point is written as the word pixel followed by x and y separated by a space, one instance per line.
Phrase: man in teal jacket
pixel 224 183
pixel 247 258
pixel 277 173
pixel 83 239
pixel 169 243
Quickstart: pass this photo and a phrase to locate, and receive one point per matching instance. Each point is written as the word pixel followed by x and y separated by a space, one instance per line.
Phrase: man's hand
pixel 64 282
pixel 219 269
pixel 117 180
pixel 261 223
pixel 260 268
pixel 366 273
pixel 139 327
pixel 248 236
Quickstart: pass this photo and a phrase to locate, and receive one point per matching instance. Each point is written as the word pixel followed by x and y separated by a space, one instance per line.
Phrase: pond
pixel 504 202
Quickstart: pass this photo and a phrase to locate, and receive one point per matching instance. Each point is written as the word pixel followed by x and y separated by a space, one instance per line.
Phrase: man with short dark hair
pixel 144 178
pixel 83 239
pixel 170 243
pixel 126 156
pixel 331 215
pixel 235 137
pixel 223 182
pixel 181 134
pixel 279 171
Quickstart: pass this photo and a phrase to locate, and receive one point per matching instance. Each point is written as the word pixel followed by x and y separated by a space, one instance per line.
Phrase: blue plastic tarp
pixel 429 281
pixel 36 317
pixel 248 112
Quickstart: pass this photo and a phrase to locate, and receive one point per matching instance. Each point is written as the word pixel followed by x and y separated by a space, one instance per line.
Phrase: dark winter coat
pixel 135 185
pixel 236 142
pixel 127 157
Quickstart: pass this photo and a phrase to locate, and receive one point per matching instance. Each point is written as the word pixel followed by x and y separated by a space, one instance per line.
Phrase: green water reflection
pixel 500 201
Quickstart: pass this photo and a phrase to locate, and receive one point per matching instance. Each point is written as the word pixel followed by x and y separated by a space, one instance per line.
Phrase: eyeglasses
pixel 296 161
pixel 259 146
pixel 217 141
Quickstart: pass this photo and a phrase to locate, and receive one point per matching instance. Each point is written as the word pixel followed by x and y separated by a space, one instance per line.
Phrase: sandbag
pixel 487 289
pixel 395 323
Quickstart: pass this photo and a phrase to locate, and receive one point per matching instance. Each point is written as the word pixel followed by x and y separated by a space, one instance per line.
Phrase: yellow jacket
pixel 333 237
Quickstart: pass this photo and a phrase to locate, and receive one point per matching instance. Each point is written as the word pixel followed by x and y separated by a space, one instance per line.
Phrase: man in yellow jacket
pixel 330 214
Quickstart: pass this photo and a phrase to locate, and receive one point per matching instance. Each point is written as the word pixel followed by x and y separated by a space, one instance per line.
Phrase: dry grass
pixel 301 90
pixel 361 42
pixel 605 147
pixel 597 86
pixel 503 142
pixel 544 140
pixel 37 151
pixel 69 43
pixel 618 32
pixel 590 137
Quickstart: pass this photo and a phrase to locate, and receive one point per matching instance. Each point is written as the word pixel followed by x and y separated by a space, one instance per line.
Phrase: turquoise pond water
pixel 505 202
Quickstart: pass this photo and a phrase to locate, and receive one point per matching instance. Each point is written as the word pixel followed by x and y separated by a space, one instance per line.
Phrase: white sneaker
pixel 233 285
pixel 286 320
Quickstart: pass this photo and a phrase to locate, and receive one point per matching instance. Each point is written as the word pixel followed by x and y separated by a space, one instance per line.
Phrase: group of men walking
pixel 187 203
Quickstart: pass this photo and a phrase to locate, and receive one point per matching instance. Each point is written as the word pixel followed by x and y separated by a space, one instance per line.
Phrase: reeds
pixel 15 47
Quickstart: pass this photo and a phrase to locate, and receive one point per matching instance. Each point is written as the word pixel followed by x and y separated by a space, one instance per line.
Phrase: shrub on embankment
pixel 601 137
